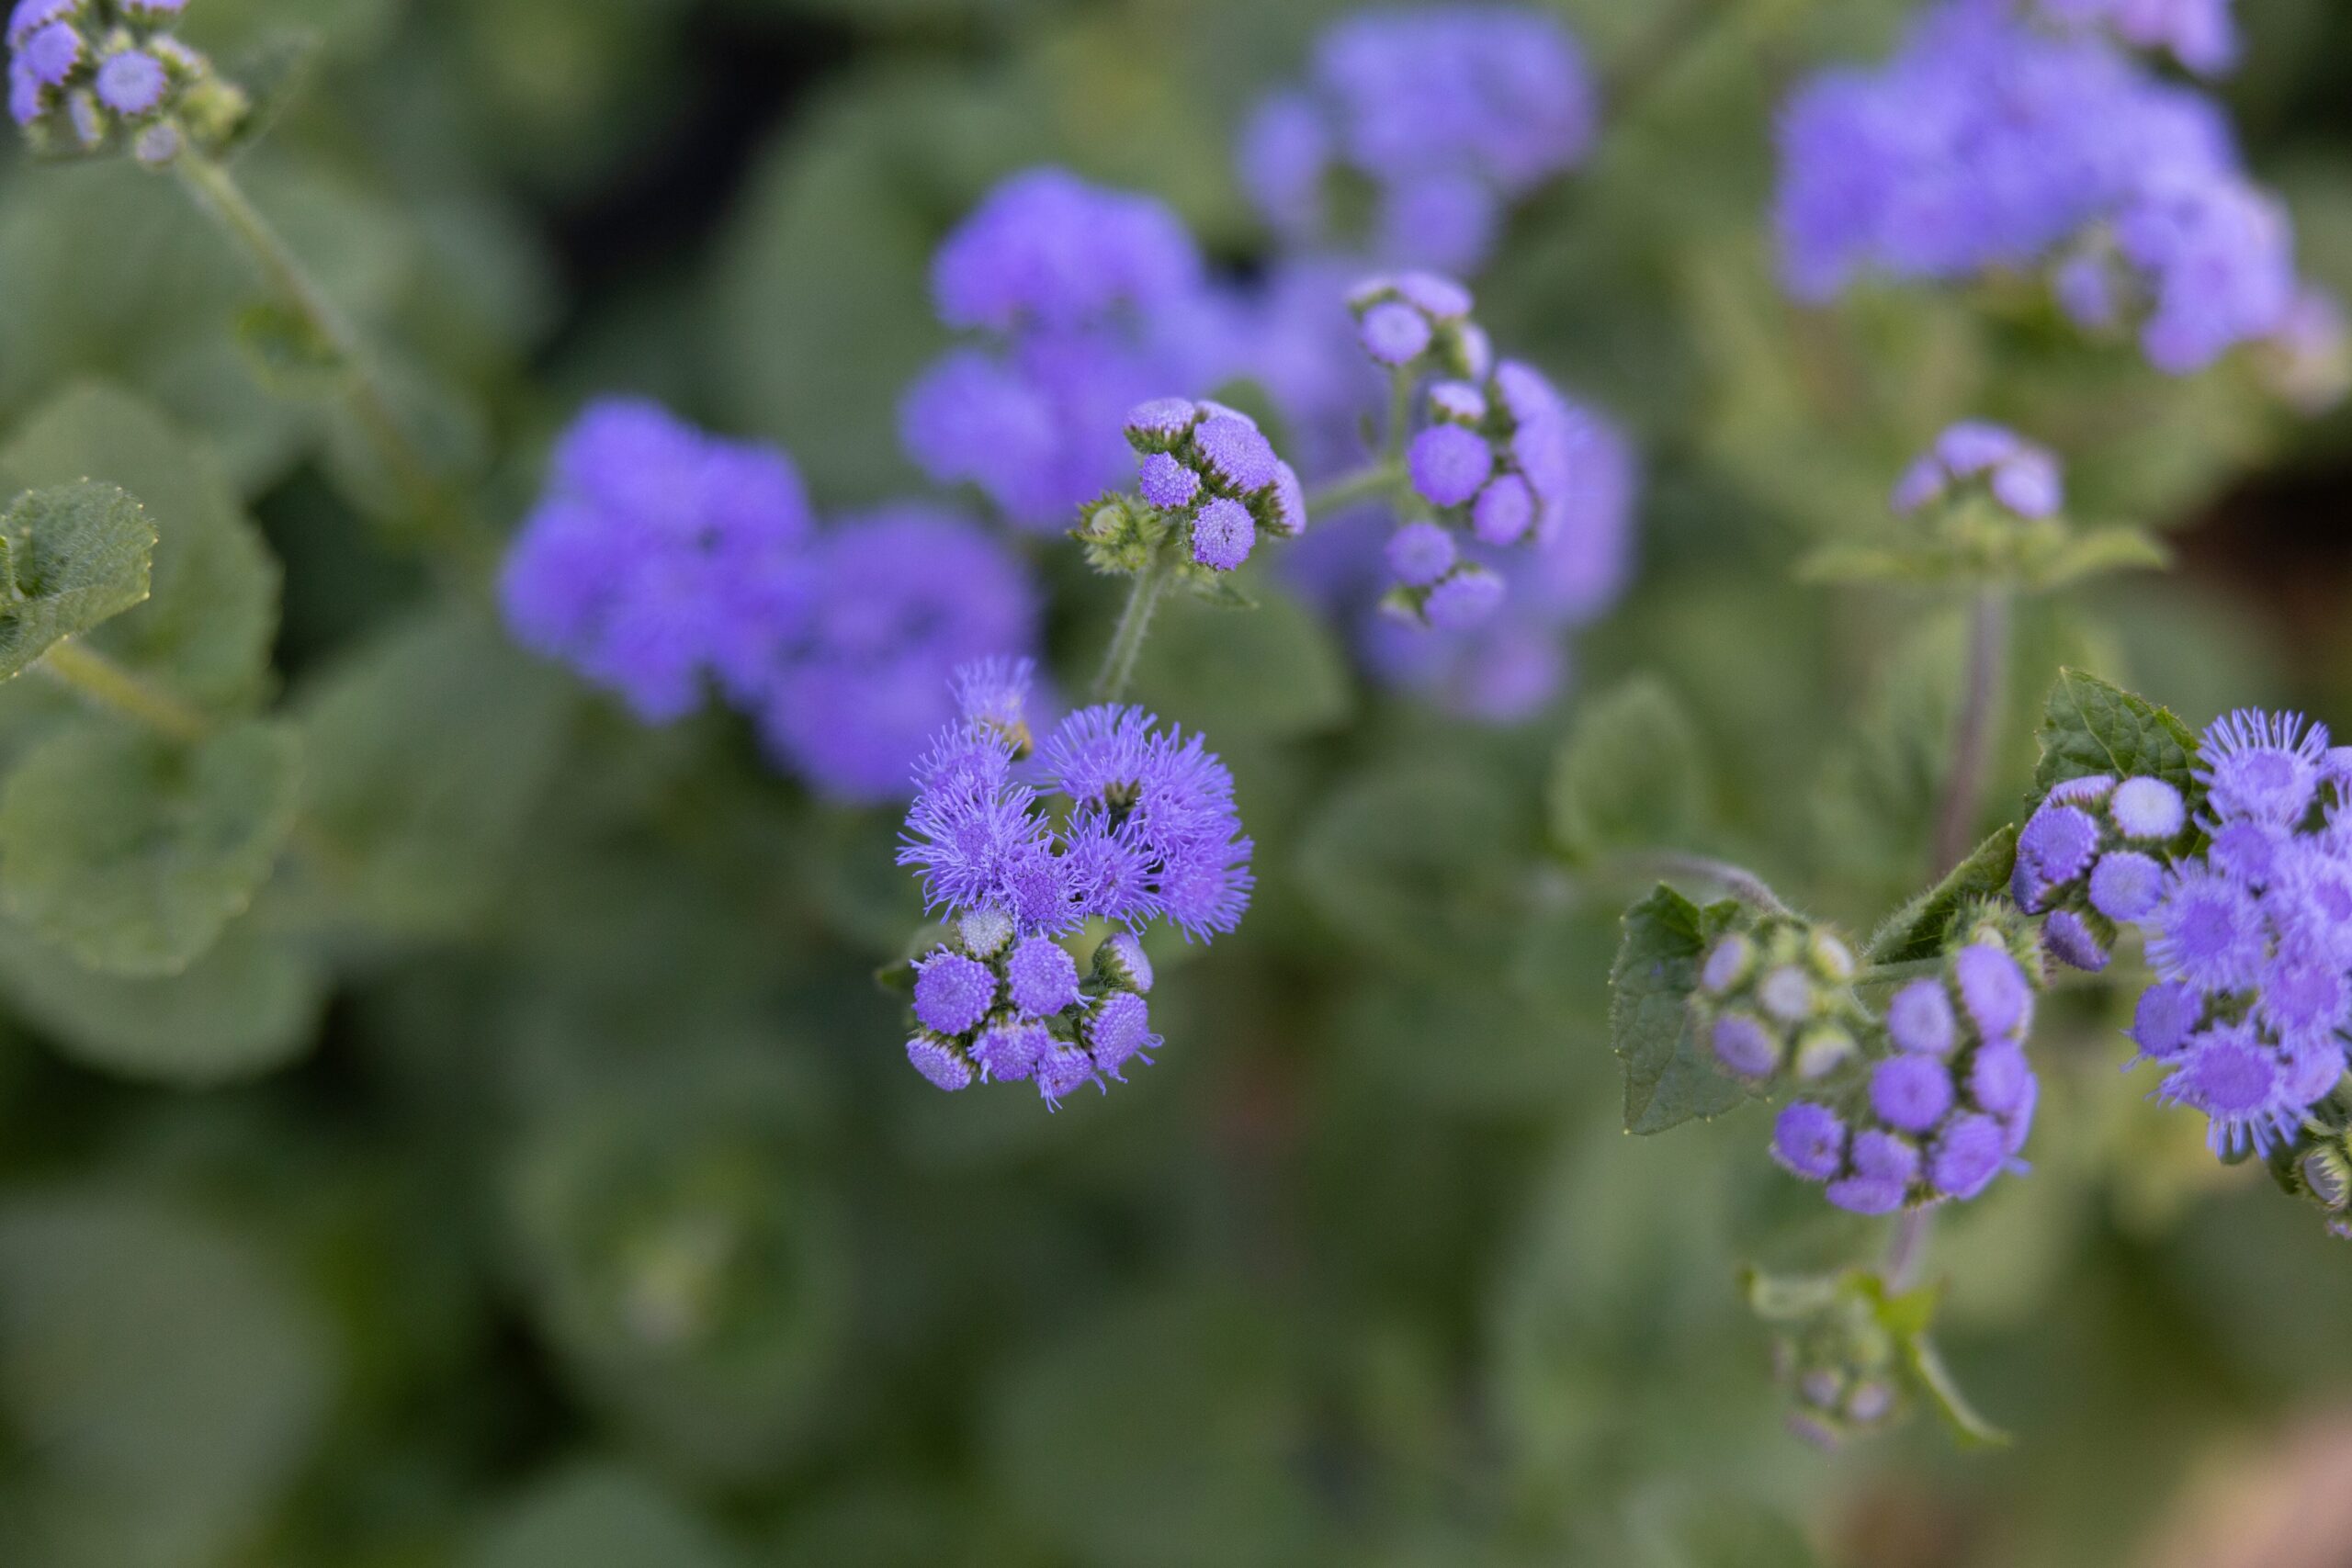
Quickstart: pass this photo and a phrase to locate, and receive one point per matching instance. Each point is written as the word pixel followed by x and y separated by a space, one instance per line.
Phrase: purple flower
pixel 1223 534
pixel 2208 931
pixel 1745 1047
pixel 1993 990
pixel 1881 1168
pixel 131 83
pixel 1092 299
pixel 1419 553
pixel 1047 249
pixel 1988 142
pixel 1008 1053
pixel 2021 476
pixel 2238 1082
pixel 1042 977
pixel 1919 1018
pixel 1215 469
pixel 1394 333
pixel 1966 1155
pixel 2261 767
pixel 30 16
pixel 953 992
pixel 941 1063
pixel 1911 1093
pixel 1444 110
pixel 1062 1070
pixel 2147 809
pixel 1123 957
pixel 2125 885
pixel 1809 1141
pixel 1119 1031
pixel 1999 1077
pixel 1167 483
pixel 2059 843
pixel 49 54
pixel 2168 1014
pixel 1727 964
pixel 2073 942
pixel 1449 464
pixel 650 552
pixel 1468 597
pixel 844 656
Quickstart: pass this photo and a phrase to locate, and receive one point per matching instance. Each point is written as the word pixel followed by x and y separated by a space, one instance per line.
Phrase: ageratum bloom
pixel 2093 857
pixel 2251 938
pixel 1777 998
pixel 663 563
pixel 1941 1100
pixel 87 75
pixel 1114 818
pixel 1083 301
pixel 1212 471
pixel 1990 143
pixel 1447 112
pixel 2021 477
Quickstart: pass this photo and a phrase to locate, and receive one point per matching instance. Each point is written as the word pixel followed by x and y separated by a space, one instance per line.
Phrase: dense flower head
pixel 1212 472
pixel 1994 142
pixel 1114 818
pixel 652 550
pixel 1086 300
pixel 2021 477
pixel 1936 1101
pixel 2091 858
pixel 1445 112
pixel 2251 937
pixel 663 563
pixel 87 75
pixel 846 676
pixel 1419 318
pixel 1777 997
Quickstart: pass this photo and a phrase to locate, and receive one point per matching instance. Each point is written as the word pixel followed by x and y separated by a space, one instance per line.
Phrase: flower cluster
pixel 1114 819
pixel 1845 1369
pixel 1444 113
pixel 2093 857
pixel 1210 470
pixel 86 74
pixel 2251 937
pixel 2022 478
pixel 1778 998
pixel 1939 1114
pixel 663 562
pixel 2200 34
pixel 1990 143
pixel 1087 301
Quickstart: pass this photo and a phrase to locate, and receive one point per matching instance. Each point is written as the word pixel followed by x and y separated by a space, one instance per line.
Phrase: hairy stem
pixel 437 516
pixel 109 686
pixel 1364 484
pixel 1736 880
pixel 1886 974
pixel 1906 1249
pixel 1135 623
pixel 1956 813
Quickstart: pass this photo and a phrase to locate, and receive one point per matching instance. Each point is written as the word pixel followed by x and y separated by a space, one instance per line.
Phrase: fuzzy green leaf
pixel 206 629
pixel 2090 726
pixel 247 1006
pixel 1917 930
pixel 132 851
pixel 75 555
pixel 1628 775
pixel 1669 1075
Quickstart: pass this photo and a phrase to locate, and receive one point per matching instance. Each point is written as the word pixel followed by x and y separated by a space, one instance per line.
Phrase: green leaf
pixel 1671 1077
pixel 2090 726
pixel 1274 673
pixel 74 555
pixel 600 1515
pixel 289 353
pixel 163 1385
pixel 426 754
pixel 1968 1427
pixel 2081 556
pixel 245 1008
pixel 205 630
pixel 132 851
pixel 1917 930
pixel 1628 775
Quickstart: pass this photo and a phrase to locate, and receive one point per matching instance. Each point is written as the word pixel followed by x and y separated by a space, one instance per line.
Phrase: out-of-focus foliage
pixel 456 1126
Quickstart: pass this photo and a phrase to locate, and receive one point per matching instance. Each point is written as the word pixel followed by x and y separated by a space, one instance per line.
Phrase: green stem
pixel 438 514
pixel 1736 880
pixel 1887 974
pixel 1906 1249
pixel 1373 479
pixel 1988 639
pixel 109 686
pixel 1135 623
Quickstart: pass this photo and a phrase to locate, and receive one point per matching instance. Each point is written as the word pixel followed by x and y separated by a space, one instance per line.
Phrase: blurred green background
pixel 536 1181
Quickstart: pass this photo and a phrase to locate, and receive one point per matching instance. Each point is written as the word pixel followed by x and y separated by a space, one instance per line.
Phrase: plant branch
pixel 110 685
pixel 1363 484
pixel 1135 623
pixel 1956 812
pixel 438 516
